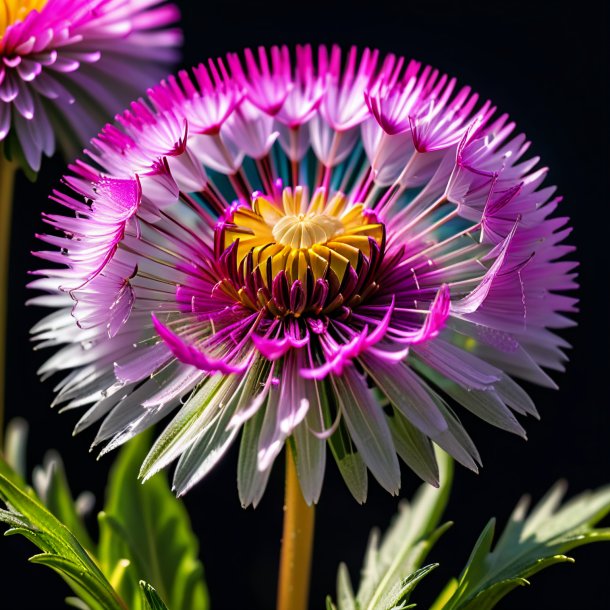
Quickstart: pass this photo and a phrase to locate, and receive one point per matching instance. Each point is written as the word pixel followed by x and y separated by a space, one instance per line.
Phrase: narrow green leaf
pixel 15 445
pixel 345 592
pixel 87 585
pixel 397 596
pixel 445 594
pixel 409 539
pixel 75 602
pixel 151 598
pixel 40 519
pixel 148 526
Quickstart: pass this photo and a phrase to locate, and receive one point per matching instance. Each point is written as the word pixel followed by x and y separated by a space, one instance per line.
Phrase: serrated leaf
pixel 145 524
pixel 392 565
pixel 527 545
pixel 397 596
pixel 61 549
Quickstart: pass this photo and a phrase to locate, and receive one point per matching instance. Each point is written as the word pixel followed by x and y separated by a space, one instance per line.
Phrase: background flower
pixel 68 65
pixel 334 247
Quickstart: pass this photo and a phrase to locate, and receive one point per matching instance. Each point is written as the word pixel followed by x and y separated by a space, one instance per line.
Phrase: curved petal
pixel 189 354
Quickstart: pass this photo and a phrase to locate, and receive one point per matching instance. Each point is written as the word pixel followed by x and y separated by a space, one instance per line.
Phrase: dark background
pixel 544 65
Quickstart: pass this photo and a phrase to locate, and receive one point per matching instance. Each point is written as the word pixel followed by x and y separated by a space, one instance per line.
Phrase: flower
pixel 66 66
pixel 324 249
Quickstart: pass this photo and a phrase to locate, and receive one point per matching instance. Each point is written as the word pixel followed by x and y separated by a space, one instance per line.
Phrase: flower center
pixel 304 240
pixel 12 11
pixel 306 230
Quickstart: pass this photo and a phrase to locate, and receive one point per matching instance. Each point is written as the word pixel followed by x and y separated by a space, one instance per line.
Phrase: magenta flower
pixel 68 65
pixel 319 248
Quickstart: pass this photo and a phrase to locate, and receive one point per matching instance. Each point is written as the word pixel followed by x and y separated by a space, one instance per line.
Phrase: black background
pixel 544 65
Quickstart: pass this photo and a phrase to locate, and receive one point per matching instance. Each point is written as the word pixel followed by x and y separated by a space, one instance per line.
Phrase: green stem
pixel 7 182
pixel 297 544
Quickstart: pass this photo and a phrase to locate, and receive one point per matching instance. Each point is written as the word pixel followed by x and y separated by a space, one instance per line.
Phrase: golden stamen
pixel 13 11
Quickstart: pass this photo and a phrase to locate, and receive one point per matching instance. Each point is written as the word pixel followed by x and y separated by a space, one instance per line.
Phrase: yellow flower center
pixel 13 11
pixel 306 230
pixel 320 238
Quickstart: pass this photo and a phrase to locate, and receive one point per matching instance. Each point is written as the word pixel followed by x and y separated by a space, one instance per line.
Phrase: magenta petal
pixel 436 319
pixel 271 348
pixel 276 348
pixel 473 301
pixel 189 354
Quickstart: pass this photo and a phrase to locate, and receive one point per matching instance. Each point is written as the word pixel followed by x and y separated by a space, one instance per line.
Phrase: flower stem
pixel 297 544
pixel 7 181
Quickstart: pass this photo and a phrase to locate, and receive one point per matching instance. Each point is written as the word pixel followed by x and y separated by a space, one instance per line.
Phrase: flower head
pixel 66 66
pixel 323 248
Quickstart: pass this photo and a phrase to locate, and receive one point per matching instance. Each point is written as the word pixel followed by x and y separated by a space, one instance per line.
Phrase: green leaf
pixel 88 586
pixel 52 487
pixel 151 598
pixel 61 550
pixel 392 565
pixel 149 527
pixel 75 602
pixel 527 545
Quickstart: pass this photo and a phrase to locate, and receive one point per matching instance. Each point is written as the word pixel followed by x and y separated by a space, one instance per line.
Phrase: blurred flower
pixel 68 65
pixel 326 249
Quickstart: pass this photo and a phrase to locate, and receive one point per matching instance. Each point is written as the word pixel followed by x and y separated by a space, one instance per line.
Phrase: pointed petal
pixel 368 427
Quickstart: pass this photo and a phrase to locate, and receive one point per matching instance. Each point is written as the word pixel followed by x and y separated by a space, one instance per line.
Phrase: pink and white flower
pixel 332 249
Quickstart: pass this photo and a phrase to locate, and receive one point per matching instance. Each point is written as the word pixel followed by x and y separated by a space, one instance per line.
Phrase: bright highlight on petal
pixel 317 247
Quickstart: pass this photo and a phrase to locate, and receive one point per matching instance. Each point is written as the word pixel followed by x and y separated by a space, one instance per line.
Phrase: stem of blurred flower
pixel 7 181
pixel 297 544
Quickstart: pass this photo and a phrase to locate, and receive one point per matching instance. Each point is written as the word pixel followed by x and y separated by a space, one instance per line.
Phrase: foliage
pixel 61 551
pixel 146 558
pixel 526 546
pixel 392 565
pixel 146 525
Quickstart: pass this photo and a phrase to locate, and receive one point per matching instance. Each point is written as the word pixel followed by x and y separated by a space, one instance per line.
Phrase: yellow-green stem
pixel 297 544
pixel 7 181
